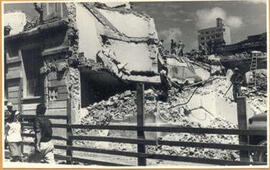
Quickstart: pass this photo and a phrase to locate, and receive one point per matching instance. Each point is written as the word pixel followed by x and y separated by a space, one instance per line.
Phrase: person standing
pixel 165 85
pixel 13 134
pixel 237 80
pixel 173 47
pixel 43 134
pixel 181 47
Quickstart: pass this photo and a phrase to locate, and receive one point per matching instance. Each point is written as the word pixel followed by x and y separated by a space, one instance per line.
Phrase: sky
pixel 182 20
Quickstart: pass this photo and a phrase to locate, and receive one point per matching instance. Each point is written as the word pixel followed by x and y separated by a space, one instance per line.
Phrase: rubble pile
pixel 196 151
pixel 122 108
pixel 261 80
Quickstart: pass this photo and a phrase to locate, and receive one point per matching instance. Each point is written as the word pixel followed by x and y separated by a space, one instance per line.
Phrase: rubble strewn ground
pixel 199 112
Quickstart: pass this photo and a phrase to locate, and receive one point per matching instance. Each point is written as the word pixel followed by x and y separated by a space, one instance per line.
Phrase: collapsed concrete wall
pixel 132 47
pixel 180 71
pixel 89 43
pixel 16 20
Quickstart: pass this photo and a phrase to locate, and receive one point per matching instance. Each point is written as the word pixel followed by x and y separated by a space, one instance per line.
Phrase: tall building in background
pixel 211 38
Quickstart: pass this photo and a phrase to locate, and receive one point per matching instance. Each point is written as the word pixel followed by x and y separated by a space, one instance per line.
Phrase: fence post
pixel 69 132
pixel 140 122
pixel 242 124
pixel 20 106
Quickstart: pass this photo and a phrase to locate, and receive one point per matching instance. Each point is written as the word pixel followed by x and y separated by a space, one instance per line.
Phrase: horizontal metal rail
pixel 163 157
pixel 171 143
pixel 30 125
pixel 162 142
pixel 151 156
pixel 165 129
pixel 176 129
pixel 47 116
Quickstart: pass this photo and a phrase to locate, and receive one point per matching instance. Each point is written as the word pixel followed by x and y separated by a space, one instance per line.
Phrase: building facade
pixel 211 38
pixel 251 43
pixel 57 61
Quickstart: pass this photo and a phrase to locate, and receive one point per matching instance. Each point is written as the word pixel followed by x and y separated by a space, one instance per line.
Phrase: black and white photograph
pixel 135 83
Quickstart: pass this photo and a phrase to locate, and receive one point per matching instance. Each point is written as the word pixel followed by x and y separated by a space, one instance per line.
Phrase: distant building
pixel 252 43
pixel 211 38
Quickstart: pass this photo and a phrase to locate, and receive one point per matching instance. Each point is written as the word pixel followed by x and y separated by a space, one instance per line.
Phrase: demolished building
pixel 75 49
pixel 84 52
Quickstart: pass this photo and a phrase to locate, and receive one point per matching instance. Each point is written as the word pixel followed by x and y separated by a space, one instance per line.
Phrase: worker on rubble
pixel 165 85
pixel 161 47
pixel 173 47
pixel 181 47
pixel 237 80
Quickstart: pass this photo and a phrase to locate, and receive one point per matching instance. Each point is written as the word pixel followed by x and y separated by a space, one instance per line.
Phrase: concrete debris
pixel 211 112
pixel 121 108
pixel 260 78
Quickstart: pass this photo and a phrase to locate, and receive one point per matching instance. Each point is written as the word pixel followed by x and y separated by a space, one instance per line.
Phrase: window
pixel 53 10
pixel 202 38
pixel 32 81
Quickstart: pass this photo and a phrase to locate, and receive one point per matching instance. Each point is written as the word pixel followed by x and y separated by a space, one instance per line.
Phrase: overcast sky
pixel 181 20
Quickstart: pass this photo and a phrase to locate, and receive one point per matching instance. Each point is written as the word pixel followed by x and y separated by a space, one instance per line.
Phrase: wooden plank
pixel 59 121
pixel 50 117
pixel 15 74
pixel 13 100
pixel 140 122
pixel 14 67
pixel 62 89
pixel 171 158
pixel 61 104
pixel 31 100
pixel 14 94
pixel 13 60
pixel 171 143
pixel 31 106
pixel 56 83
pixel 56 111
pixel 242 124
pixel 175 129
pixel 48 112
pixel 12 83
pixel 201 160
pixel 20 93
pixel 59 132
pixel 166 157
pixel 29 112
pixel 13 88
pixel 62 96
pixel 69 130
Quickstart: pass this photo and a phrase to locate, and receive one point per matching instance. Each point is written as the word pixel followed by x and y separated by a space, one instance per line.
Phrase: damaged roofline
pixel 136 40
pixel 38 30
